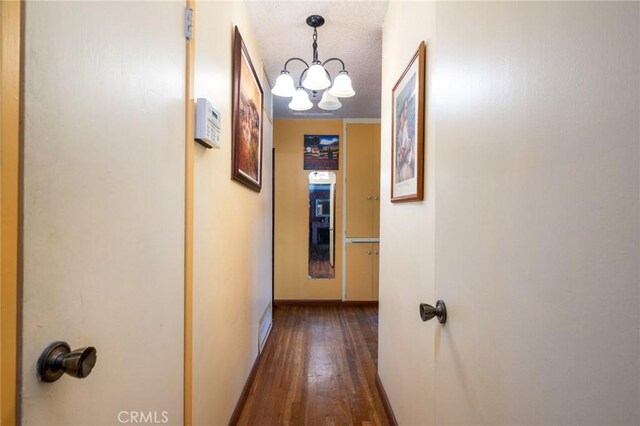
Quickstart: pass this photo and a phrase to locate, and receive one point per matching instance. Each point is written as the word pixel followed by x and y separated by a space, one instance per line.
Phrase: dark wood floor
pixel 319 368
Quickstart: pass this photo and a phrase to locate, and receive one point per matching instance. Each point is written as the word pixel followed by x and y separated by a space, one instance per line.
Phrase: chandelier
pixel 314 78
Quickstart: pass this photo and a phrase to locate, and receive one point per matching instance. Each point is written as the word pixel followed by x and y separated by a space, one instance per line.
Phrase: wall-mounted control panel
pixel 207 124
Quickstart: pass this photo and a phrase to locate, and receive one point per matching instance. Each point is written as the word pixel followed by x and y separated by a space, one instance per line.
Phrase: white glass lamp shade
pixel 300 101
pixel 316 78
pixel 342 86
pixel 329 102
pixel 284 85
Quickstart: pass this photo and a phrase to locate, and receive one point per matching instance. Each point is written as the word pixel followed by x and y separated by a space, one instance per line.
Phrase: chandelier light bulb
pixel 300 101
pixel 284 85
pixel 342 86
pixel 329 102
pixel 316 78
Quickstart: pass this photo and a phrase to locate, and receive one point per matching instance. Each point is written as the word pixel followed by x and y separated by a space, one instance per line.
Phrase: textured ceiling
pixel 352 32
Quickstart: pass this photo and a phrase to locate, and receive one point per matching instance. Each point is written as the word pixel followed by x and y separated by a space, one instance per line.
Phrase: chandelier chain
pixel 315 45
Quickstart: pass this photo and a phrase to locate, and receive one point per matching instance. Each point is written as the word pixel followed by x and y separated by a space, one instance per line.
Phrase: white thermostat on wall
pixel 207 124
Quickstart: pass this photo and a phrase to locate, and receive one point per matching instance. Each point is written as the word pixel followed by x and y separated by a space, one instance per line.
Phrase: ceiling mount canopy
pixel 314 78
pixel 315 21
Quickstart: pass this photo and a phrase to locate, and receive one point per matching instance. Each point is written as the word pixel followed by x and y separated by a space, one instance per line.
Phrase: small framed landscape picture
pixel 246 152
pixel 321 152
pixel 407 138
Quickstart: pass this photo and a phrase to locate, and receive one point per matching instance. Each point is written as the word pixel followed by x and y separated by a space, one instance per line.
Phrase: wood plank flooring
pixel 319 368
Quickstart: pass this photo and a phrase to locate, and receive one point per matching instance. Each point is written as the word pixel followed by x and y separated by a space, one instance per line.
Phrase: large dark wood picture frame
pixel 248 103
pixel 408 131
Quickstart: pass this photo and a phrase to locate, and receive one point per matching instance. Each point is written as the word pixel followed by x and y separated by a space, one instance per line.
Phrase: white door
pixel 537 217
pixel 104 208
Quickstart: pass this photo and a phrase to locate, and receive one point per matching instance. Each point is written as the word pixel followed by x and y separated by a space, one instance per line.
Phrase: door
pixel 359 272
pixel 360 188
pixel 376 270
pixel 537 230
pixel 104 207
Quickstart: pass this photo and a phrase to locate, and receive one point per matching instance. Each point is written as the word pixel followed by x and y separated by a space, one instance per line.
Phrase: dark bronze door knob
pixel 427 312
pixel 58 358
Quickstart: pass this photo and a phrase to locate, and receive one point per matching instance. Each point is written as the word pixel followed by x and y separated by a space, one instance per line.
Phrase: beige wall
pixel 407 232
pixel 292 212
pixel 533 134
pixel 232 253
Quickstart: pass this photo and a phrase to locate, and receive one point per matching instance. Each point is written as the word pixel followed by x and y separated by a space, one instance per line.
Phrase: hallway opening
pixel 319 365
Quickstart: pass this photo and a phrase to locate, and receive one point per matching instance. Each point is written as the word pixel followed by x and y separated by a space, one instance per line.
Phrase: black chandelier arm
pixel 335 59
pixel 329 75
pixel 301 76
pixel 295 59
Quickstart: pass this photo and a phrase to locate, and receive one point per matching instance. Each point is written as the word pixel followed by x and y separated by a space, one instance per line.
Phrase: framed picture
pixel 407 138
pixel 246 150
pixel 321 152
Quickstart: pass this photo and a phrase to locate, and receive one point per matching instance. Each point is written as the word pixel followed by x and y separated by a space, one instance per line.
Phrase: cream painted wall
pixel 533 112
pixel 232 251
pixel 407 231
pixel 292 212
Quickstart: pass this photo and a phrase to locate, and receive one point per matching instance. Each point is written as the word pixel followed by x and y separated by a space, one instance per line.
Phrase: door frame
pixel 345 136
pixel 189 217
pixel 273 230
pixel 11 77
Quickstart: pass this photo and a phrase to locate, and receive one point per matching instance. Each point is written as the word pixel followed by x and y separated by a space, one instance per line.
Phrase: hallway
pixel 292 213
pixel 318 368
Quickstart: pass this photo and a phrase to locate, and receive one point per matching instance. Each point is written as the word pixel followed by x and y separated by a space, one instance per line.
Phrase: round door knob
pixel 369 197
pixel 58 358
pixel 440 311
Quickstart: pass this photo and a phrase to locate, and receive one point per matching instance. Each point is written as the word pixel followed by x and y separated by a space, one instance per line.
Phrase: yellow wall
pixel 292 212
pixel 232 224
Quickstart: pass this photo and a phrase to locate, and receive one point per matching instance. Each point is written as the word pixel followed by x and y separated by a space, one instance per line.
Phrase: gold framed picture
pixel 407 124
pixel 246 151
